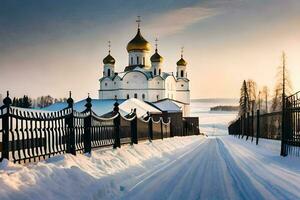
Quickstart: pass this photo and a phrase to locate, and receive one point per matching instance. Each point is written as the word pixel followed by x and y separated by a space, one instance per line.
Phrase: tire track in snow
pixel 207 172
pixel 267 173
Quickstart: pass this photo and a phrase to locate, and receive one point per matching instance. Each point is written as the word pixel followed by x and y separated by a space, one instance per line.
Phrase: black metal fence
pixel 27 135
pixel 255 125
pixel 291 126
pixel 284 126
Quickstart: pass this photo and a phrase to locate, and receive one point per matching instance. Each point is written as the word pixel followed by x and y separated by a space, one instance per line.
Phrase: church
pixel 144 78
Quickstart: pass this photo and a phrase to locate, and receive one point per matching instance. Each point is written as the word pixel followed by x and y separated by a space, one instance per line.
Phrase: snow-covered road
pixel 221 168
pixel 194 167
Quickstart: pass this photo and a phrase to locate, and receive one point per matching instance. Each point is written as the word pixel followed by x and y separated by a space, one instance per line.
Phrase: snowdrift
pixel 98 175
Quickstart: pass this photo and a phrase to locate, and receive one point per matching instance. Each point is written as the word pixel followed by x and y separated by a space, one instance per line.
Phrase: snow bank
pixel 266 145
pixel 99 175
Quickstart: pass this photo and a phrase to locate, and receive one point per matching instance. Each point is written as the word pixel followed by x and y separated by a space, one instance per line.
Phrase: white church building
pixel 144 77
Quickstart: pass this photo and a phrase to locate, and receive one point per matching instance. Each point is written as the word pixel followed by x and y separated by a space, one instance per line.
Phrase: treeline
pixel 253 98
pixel 224 108
pixel 40 102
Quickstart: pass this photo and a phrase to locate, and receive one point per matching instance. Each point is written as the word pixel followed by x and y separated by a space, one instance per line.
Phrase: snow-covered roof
pixel 168 105
pixel 56 106
pixel 141 107
pixel 104 106
pixel 99 106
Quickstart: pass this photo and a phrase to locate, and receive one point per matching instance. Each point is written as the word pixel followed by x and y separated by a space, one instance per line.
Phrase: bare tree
pixel 252 94
pixel 283 86
pixel 265 95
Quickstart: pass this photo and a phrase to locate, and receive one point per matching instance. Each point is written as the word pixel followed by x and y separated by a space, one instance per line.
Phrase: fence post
pixel 117 122
pixel 241 126
pixel 244 125
pixel 248 124
pixel 252 124
pixel 283 130
pixel 150 127
pixel 133 128
pixel 5 126
pixel 71 148
pixel 257 126
pixel 87 127
pixel 161 128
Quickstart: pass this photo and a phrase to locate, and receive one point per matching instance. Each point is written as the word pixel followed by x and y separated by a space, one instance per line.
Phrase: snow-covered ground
pixel 96 176
pixel 194 167
pixel 213 122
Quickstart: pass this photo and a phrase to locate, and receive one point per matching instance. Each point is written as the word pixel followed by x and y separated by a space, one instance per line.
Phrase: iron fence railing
pixel 28 135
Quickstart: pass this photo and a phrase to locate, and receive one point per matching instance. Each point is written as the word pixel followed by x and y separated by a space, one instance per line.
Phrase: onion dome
pixel 156 57
pixel 138 43
pixel 181 62
pixel 109 59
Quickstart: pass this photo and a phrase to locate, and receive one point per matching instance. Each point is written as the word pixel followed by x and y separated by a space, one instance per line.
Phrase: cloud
pixel 177 20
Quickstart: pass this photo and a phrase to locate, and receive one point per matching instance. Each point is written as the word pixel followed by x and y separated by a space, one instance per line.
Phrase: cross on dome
pixel 182 51
pixel 138 21
pixel 156 40
pixel 109 47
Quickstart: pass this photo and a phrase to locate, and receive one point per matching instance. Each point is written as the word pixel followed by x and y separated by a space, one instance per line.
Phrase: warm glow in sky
pixel 48 47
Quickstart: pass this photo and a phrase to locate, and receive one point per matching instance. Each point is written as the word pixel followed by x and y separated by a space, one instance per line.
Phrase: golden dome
pixel 138 43
pixel 156 57
pixel 109 60
pixel 181 62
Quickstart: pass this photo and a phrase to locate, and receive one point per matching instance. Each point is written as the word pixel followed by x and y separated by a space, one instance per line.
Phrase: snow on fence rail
pixel 28 135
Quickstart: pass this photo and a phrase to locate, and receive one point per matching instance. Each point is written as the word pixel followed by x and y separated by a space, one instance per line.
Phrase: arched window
pixel 143 96
pixel 143 60
pixel 108 72
pixel 116 97
pixel 154 72
pixel 135 95
pixel 159 71
pixel 181 73
pixel 137 61
pixel 131 60
pixel 127 96
pixel 157 97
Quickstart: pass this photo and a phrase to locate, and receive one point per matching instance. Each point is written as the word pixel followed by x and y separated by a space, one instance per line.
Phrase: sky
pixel 52 47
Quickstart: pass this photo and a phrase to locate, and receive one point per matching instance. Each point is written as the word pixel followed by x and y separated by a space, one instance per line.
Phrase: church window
pixel 131 60
pixel 127 96
pixel 158 82
pixel 137 61
pixel 105 84
pixel 143 60
pixel 116 97
pixel 127 82
pixel 135 95
pixel 159 71
pixel 157 97
pixel 143 96
pixel 154 72
pixel 181 73
pixel 115 82
pixel 108 72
